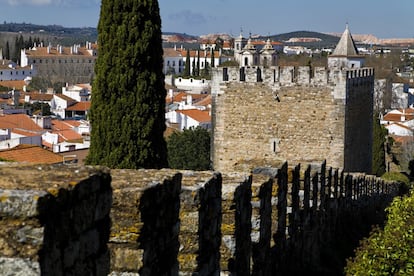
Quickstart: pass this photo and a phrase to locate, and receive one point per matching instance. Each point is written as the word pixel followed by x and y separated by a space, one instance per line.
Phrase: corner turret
pixel 346 54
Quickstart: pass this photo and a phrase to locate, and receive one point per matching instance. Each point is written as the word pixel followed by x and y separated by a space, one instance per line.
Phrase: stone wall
pixel 54 220
pixel 58 220
pixel 300 114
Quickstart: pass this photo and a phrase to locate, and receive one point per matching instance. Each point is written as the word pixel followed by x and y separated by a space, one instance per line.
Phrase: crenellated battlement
pixel 288 75
pixel 58 220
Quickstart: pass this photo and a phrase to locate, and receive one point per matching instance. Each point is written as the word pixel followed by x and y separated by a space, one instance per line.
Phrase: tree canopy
pixel 189 149
pixel 128 97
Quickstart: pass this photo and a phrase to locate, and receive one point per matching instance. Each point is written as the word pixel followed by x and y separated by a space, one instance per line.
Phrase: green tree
pixel 212 59
pixel 128 99
pixel 388 251
pixel 189 149
pixel 378 147
pixel 7 51
pixel 39 107
pixel 198 63
pixel 187 65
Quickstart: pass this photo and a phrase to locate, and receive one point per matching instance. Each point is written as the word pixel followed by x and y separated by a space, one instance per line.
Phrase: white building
pixel 10 71
pixel 78 92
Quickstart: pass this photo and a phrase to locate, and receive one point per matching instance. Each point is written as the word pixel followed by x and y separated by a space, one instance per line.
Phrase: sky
pixel 381 18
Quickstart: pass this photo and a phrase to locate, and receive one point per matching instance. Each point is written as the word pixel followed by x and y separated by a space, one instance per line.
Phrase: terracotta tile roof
pixel 80 106
pixel 205 101
pixel 30 154
pixel 66 51
pixel 19 122
pixel 64 125
pixel 201 116
pixel 66 98
pixel 395 117
pixel 68 135
pixel 171 52
pixel 182 96
pixel 16 84
pixel 36 96
pixel 26 133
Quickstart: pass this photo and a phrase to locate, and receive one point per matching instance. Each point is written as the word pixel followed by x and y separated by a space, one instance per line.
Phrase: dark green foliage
pixel 411 167
pixel 198 63
pixel 128 98
pixel 378 150
pixel 7 51
pixel 389 251
pixel 189 149
pixel 187 65
pixel 38 107
pixel 212 59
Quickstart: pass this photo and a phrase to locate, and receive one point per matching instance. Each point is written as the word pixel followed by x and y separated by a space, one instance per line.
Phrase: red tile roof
pixel 201 116
pixel 19 122
pixel 53 51
pixel 64 125
pixel 16 84
pixel 30 154
pixel 395 117
pixel 80 106
pixel 182 96
pixel 68 135
pixel 66 98
pixel 36 96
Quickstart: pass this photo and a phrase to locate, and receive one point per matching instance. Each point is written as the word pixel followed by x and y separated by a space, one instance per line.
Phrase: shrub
pixel 389 251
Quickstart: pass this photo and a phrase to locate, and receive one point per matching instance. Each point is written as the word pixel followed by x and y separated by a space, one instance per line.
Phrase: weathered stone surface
pixel 18 267
pixel 293 114
pixel 54 219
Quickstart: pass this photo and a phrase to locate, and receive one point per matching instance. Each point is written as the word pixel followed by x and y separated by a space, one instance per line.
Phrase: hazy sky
pixel 382 18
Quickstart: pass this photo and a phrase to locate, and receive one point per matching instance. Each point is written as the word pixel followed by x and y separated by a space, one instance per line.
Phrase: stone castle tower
pixel 266 114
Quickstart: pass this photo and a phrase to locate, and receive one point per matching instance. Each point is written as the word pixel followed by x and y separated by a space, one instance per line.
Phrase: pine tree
pixel 128 99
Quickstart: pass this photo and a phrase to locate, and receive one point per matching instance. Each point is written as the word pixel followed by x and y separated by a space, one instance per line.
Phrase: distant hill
pixel 306 38
pixel 54 34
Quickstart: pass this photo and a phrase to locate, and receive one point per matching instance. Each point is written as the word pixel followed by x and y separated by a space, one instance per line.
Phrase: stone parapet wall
pixel 93 221
pixel 54 220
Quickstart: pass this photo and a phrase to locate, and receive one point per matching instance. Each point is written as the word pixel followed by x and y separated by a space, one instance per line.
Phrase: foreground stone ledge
pixel 54 219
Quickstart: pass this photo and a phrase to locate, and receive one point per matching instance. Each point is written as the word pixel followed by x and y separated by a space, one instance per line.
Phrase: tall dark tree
pixel 128 99
pixel 7 51
pixel 212 59
pixel 378 147
pixel 187 69
pixel 198 63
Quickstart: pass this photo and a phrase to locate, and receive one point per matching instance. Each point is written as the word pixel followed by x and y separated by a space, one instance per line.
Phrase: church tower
pixel 268 55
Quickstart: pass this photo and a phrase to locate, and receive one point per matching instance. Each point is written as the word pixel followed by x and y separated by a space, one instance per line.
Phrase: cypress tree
pixel 7 51
pixel 187 65
pixel 128 98
pixel 198 63
pixel 212 59
pixel 378 151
